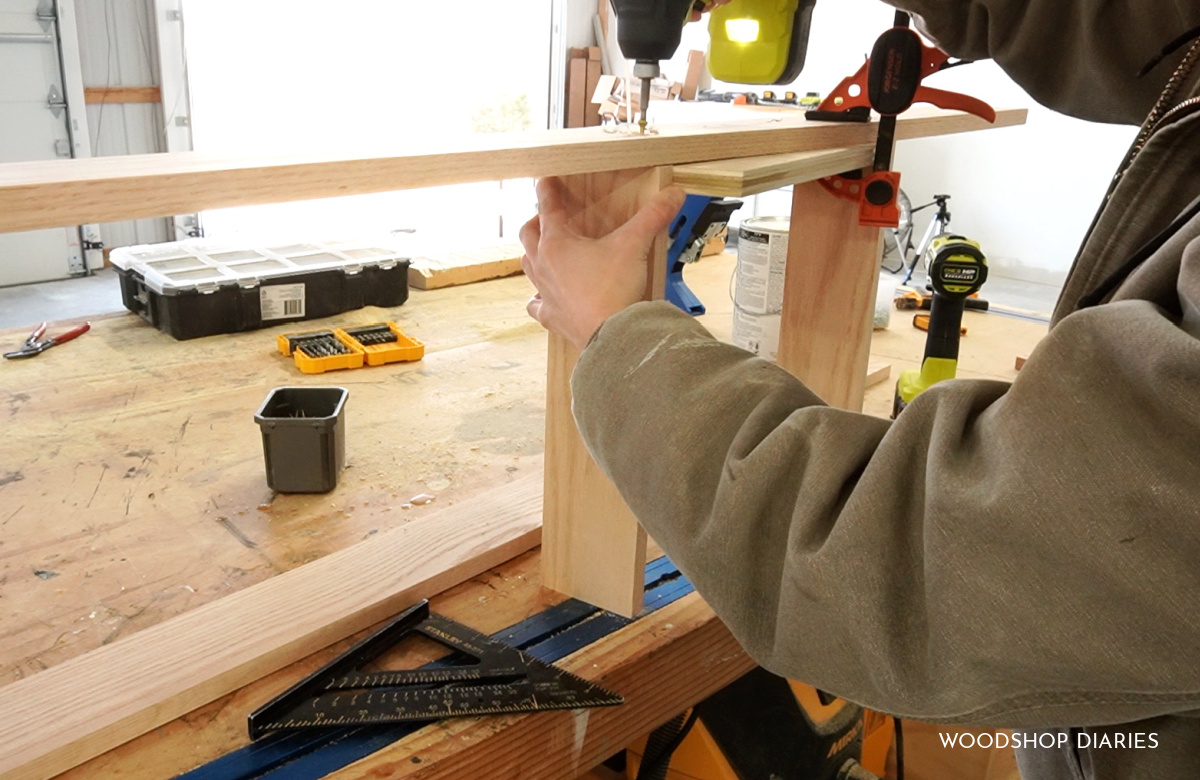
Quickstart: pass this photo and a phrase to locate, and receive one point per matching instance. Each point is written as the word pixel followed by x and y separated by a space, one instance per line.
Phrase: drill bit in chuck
pixel 645 70
pixel 645 103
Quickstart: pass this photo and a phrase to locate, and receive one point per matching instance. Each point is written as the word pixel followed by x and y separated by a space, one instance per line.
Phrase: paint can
pixel 758 296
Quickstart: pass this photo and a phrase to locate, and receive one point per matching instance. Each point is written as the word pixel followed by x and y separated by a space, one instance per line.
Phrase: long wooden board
pixel 63 716
pixel 104 189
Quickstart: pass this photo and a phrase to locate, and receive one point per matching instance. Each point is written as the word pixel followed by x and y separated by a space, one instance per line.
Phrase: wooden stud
pixel 591 111
pixel 592 547
pixel 695 72
pixel 69 713
pixel 829 296
pixel 577 97
pixel 122 95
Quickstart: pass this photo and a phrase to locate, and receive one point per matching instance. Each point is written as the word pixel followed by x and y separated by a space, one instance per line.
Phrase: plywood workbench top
pixel 132 483
pixel 132 480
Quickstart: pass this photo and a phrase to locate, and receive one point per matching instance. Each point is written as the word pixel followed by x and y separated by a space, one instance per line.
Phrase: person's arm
pixel 1020 555
pixel 1017 556
pixel 1080 57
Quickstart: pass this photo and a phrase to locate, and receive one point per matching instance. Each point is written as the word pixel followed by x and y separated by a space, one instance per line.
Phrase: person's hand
pixel 581 281
pixel 708 6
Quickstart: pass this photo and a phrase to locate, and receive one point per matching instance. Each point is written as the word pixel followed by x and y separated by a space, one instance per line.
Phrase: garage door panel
pixel 28 133
pixel 36 256
pixel 29 69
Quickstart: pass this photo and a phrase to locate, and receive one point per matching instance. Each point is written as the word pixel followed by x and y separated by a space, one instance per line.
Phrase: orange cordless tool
pixel 890 81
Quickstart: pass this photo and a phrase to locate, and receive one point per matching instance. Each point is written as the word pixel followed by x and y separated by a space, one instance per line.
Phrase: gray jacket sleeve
pixel 1079 57
pixel 1019 555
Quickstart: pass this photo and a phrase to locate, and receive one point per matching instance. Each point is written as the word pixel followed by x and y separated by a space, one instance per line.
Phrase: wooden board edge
pixel 57 192
pixel 93 95
pixel 878 372
pixel 150 678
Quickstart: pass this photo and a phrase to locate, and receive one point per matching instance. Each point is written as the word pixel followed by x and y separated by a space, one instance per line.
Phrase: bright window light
pixel 742 30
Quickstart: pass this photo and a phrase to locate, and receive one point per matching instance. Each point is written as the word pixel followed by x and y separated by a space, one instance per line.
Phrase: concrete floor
pixel 27 305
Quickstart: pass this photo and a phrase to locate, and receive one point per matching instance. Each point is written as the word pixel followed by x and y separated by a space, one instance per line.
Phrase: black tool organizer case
pixel 197 288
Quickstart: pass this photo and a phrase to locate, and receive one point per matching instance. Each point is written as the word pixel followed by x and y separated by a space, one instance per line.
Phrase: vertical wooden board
pixel 829 296
pixel 591 110
pixel 577 97
pixel 592 547
pixel 695 72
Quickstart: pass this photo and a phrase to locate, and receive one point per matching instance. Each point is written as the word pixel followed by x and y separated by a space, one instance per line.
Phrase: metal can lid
pixel 768 224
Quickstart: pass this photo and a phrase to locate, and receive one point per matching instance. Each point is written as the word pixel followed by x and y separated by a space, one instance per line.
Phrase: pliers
pixel 35 344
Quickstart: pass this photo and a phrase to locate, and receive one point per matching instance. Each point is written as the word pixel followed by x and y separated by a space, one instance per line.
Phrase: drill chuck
pixel 649 31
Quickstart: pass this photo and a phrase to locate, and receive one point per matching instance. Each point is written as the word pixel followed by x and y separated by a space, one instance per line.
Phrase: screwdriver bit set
pixel 316 352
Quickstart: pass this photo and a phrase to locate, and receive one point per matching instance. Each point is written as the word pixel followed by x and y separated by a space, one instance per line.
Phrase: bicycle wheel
pixel 897 241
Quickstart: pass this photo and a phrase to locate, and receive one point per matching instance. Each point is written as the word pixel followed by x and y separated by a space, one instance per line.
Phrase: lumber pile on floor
pixel 476 265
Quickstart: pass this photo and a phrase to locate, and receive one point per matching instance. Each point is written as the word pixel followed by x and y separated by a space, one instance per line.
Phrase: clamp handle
pixel 890 81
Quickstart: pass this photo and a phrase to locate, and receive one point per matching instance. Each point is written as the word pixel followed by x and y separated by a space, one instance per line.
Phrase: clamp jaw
pixel 889 82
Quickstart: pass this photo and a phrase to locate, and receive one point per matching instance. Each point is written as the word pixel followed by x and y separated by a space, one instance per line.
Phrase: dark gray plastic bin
pixel 304 438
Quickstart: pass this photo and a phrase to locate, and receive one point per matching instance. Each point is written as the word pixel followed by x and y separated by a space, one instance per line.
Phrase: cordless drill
pixel 957 271
pixel 648 31
pixel 751 41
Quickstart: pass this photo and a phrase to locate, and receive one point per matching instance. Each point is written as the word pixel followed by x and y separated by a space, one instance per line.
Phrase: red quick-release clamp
pixel 889 82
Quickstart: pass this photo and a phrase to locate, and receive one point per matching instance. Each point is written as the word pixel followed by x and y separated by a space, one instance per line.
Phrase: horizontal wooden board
pixel 474 265
pixel 61 717
pixel 54 193
pixel 751 175
pixel 122 95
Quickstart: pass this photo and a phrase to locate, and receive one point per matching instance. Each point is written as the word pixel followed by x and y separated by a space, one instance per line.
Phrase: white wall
pixel 279 76
pixel 1027 194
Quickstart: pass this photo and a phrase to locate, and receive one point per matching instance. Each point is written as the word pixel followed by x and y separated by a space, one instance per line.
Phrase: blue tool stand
pixel 701 218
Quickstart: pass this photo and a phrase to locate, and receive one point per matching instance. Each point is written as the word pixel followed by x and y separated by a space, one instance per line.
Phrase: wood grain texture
pixel 751 175
pixel 122 95
pixel 480 390
pixel 475 265
pixel 829 296
pixel 104 189
pixel 592 547
pixel 662 664
pixel 72 712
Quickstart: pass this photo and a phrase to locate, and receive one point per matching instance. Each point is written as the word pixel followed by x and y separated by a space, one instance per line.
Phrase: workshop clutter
pixel 197 288
pixel 318 351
